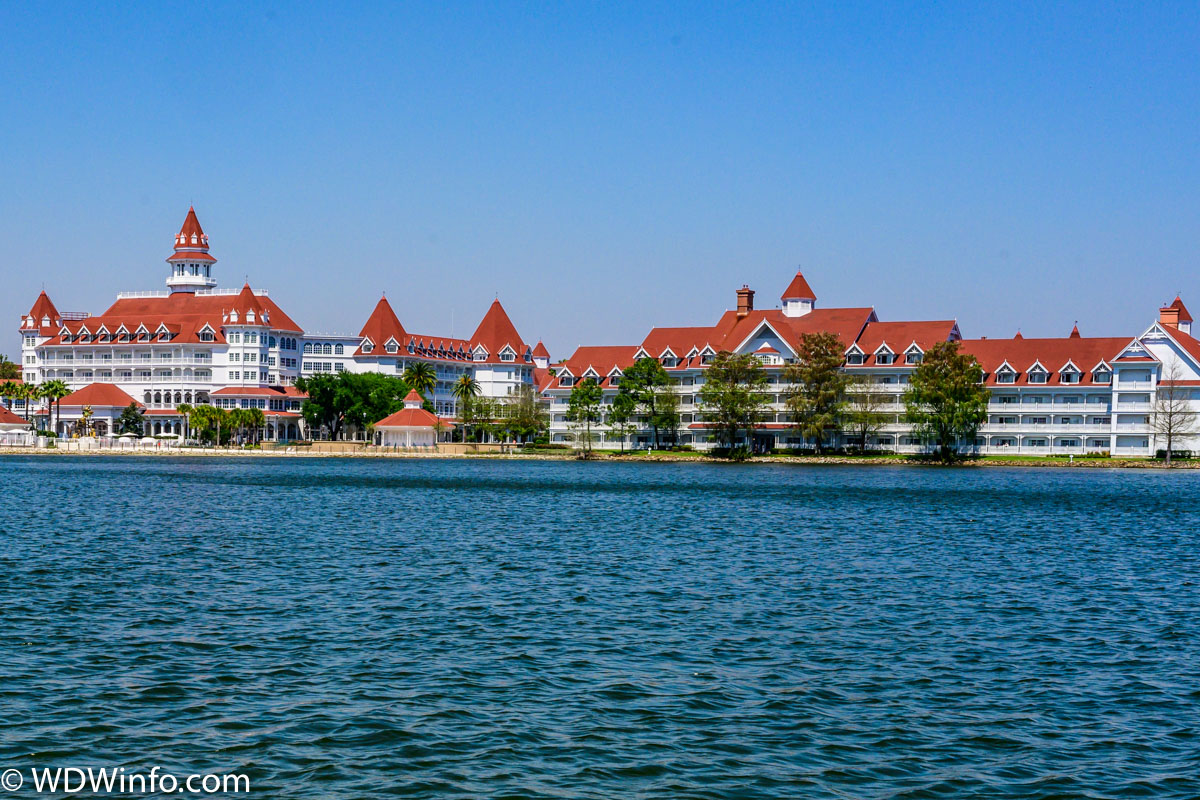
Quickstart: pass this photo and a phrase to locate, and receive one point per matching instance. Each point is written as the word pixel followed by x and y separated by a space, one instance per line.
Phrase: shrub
pixel 1181 455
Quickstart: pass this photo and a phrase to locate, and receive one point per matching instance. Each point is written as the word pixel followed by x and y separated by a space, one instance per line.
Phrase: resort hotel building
pixel 195 343
pixel 1052 396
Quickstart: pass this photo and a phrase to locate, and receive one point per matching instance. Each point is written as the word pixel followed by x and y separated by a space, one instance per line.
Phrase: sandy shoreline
pixel 655 458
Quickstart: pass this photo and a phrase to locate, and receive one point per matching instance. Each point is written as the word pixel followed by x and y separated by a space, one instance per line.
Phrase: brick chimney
pixel 745 296
pixel 1168 316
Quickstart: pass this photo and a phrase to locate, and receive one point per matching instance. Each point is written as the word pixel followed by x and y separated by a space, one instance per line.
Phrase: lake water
pixel 444 629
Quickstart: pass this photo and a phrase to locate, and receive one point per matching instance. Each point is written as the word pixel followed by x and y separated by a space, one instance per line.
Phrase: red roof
pixel 43 309
pixel 600 359
pixel 495 331
pixel 413 396
pixel 258 391
pixel 184 313
pixel 9 418
pixel 540 351
pixel 383 324
pixel 900 336
pixel 1184 316
pixel 1053 354
pixel 409 418
pixel 104 395
pixel 191 242
pixel 194 255
pixel 798 289
pixel 1074 332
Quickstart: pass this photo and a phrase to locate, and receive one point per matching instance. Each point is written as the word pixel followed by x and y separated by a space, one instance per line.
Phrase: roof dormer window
pixel 913 356
pixel 1101 375
pixel 1038 374
pixel 884 358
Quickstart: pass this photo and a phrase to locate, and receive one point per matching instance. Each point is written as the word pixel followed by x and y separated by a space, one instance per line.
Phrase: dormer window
pixel 1038 375
pixel 855 358
pixel 1006 374
pixel 1068 376
pixel 670 361
pixel 884 358
pixel 913 357
pixel 480 355
pixel 391 347
pixel 367 348
pixel 567 380
pixel 1101 376
pixel 508 355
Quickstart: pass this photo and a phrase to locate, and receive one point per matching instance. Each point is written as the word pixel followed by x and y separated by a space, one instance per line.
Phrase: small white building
pixel 410 427
pixel 14 431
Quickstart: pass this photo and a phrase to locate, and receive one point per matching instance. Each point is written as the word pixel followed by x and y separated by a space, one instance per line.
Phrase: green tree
pixel 185 409
pixel 816 393
pixel 422 377
pixel 946 400
pixel 53 392
pixel 583 409
pixel 131 420
pixel 27 393
pixel 9 391
pixel 648 383
pixel 525 414
pixel 733 398
pixel 863 417
pixel 620 417
pixel 8 370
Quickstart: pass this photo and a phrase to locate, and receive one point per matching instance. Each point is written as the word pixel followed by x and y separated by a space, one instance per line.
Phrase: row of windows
pixel 323 366
pixel 323 349
pixel 235 375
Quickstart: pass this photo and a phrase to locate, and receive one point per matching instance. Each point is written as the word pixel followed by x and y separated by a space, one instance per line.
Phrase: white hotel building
pixel 1070 395
pixel 195 343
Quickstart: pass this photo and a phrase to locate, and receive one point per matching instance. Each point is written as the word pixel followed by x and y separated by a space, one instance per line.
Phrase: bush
pixel 1176 455
pixel 48 434
pixel 1097 454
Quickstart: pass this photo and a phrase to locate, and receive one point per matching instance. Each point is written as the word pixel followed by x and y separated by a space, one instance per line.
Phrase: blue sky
pixel 607 167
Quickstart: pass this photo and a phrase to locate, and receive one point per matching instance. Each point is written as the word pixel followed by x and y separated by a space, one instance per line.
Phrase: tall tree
pixel 864 417
pixel 946 400
pixel 421 376
pixel 526 418
pixel 733 398
pixel 53 392
pixel 620 417
pixel 648 383
pixel 816 393
pixel 1174 418
pixel 27 393
pixel 583 409
pixel 8 370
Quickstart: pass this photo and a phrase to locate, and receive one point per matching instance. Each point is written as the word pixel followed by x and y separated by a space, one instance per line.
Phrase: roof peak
pixel 798 289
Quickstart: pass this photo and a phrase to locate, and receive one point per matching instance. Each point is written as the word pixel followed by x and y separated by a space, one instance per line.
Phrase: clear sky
pixel 606 167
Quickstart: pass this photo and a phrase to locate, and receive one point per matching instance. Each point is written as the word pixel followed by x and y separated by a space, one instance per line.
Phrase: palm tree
pixel 27 393
pixel 185 409
pixel 8 390
pixel 465 390
pixel 54 391
pixel 422 377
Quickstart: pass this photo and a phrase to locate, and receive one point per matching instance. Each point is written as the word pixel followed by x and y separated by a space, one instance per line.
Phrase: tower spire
pixel 191 265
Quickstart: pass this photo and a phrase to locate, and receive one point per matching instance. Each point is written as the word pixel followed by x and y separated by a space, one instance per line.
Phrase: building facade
pixel 1051 396
pixel 196 343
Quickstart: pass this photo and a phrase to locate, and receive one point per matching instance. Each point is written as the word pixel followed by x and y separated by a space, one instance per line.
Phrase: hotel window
pixel 884 358
pixel 507 357
pixel 390 347
pixel 1038 376
pixel 668 361
pixel 1102 376
pixel 1006 377
pixel 913 357
pixel 706 359
pixel 367 348
pixel 854 359
pixel 308 347
pixel 327 350
pixel 235 376
pixel 339 350
pixel 567 380
pixel 1069 377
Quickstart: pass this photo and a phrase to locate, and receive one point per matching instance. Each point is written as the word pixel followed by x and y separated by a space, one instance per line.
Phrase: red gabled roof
pixel 191 242
pixel 413 396
pixel 383 324
pixel 104 395
pixel 42 309
pixel 542 379
pixel 1184 316
pixel 540 351
pixel 899 336
pixel 194 255
pixel 9 418
pixel 601 359
pixel 798 289
pixel 495 331
pixel 1074 334
pixel 184 313
pixel 1053 354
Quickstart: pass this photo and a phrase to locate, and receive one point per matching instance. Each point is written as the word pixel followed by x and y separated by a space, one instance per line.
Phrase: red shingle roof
pixel 495 331
pixel 9 418
pixel 103 395
pixel 540 351
pixel 899 336
pixel 798 289
pixel 1184 316
pixel 409 418
pixel 383 324
pixel 1053 354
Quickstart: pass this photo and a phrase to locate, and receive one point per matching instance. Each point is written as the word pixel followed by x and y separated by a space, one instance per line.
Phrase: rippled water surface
pixel 444 629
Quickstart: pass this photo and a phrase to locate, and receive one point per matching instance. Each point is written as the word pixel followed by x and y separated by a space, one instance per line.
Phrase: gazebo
pixel 411 426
